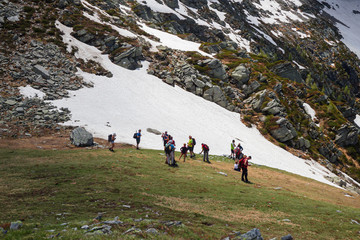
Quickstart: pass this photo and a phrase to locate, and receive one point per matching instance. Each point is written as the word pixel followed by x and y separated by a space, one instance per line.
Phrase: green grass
pixel 45 188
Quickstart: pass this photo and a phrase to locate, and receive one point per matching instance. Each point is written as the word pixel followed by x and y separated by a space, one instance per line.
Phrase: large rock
pixel 215 94
pixel 240 75
pixel 285 132
pixel 330 152
pixel 130 59
pixel 217 69
pixel 253 234
pixel 41 71
pixel 274 107
pixel 81 138
pixel 252 87
pixel 286 70
pixel 347 135
pixel 172 3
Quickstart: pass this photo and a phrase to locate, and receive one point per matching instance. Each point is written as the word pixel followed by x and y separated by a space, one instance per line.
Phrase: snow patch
pixel 31 92
pixel 357 120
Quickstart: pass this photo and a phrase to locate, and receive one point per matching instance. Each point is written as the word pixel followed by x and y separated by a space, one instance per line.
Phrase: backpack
pixel 241 162
pixel 135 135
pixel 194 142
pixel 168 148
pixel 206 147
pixel 110 138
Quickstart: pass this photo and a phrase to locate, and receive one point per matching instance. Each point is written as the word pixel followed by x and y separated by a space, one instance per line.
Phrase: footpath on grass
pixel 56 190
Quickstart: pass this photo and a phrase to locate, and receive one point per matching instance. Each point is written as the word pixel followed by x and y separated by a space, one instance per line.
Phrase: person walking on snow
pixel 205 149
pixel 183 151
pixel 138 136
pixel 191 147
pixel 232 146
pixel 244 163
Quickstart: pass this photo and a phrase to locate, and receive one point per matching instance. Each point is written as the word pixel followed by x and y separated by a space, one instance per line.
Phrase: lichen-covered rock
pixel 81 138
pixel 285 132
pixel 347 135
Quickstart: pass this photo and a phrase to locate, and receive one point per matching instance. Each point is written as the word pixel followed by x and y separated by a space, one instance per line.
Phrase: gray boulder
pixel 130 59
pixel 285 132
pixel 215 94
pixel 274 107
pixel 258 100
pixel 249 89
pixel 172 3
pixel 287 70
pixel 81 138
pixel 253 234
pixel 16 225
pixel 330 152
pixel 240 75
pixel 217 69
pixel 347 135
pixel 41 71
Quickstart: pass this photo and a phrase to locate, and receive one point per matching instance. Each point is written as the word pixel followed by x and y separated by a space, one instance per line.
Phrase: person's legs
pixel 172 157
pixel 207 156
pixel 181 156
pixel 184 157
pixel 137 143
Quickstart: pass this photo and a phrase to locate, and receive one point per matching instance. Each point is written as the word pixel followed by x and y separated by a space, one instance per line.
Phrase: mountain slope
pixel 281 64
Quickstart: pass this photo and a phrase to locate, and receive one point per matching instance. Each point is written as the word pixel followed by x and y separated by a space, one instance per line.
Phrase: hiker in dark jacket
pixel 205 149
pixel 138 136
pixel 238 152
pixel 165 137
pixel 183 151
pixel 112 141
pixel 244 163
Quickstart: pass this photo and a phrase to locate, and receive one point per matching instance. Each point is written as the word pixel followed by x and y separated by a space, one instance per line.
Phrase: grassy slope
pixel 39 186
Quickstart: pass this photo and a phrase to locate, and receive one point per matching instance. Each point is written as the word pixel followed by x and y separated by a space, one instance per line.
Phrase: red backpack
pixel 206 147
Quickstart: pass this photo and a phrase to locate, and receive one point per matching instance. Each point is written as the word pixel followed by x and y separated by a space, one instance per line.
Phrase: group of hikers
pixel 169 148
pixel 241 161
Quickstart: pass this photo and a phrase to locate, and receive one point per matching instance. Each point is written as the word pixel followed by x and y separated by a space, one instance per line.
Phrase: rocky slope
pixel 268 60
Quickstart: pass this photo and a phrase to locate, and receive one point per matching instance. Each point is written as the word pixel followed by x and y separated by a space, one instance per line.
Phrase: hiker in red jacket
pixel 244 163
pixel 205 149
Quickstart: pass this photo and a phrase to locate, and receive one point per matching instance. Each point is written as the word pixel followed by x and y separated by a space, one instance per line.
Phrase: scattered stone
pixel 253 234
pixel 222 173
pixel 85 227
pixel 126 206
pixel 354 222
pixel 286 220
pixel 16 225
pixel 132 230
pixel 152 231
pixel 287 237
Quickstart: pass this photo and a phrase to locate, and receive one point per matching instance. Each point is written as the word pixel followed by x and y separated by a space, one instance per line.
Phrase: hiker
pixel 170 151
pixel 238 152
pixel 165 137
pixel 111 140
pixel 171 140
pixel 191 147
pixel 205 149
pixel 183 151
pixel 244 163
pixel 138 136
pixel 232 146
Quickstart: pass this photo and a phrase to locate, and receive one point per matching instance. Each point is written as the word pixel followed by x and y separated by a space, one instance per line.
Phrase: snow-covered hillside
pixel 133 100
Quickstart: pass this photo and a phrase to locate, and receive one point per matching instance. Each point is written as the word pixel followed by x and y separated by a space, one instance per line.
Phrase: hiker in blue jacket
pixel 138 136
